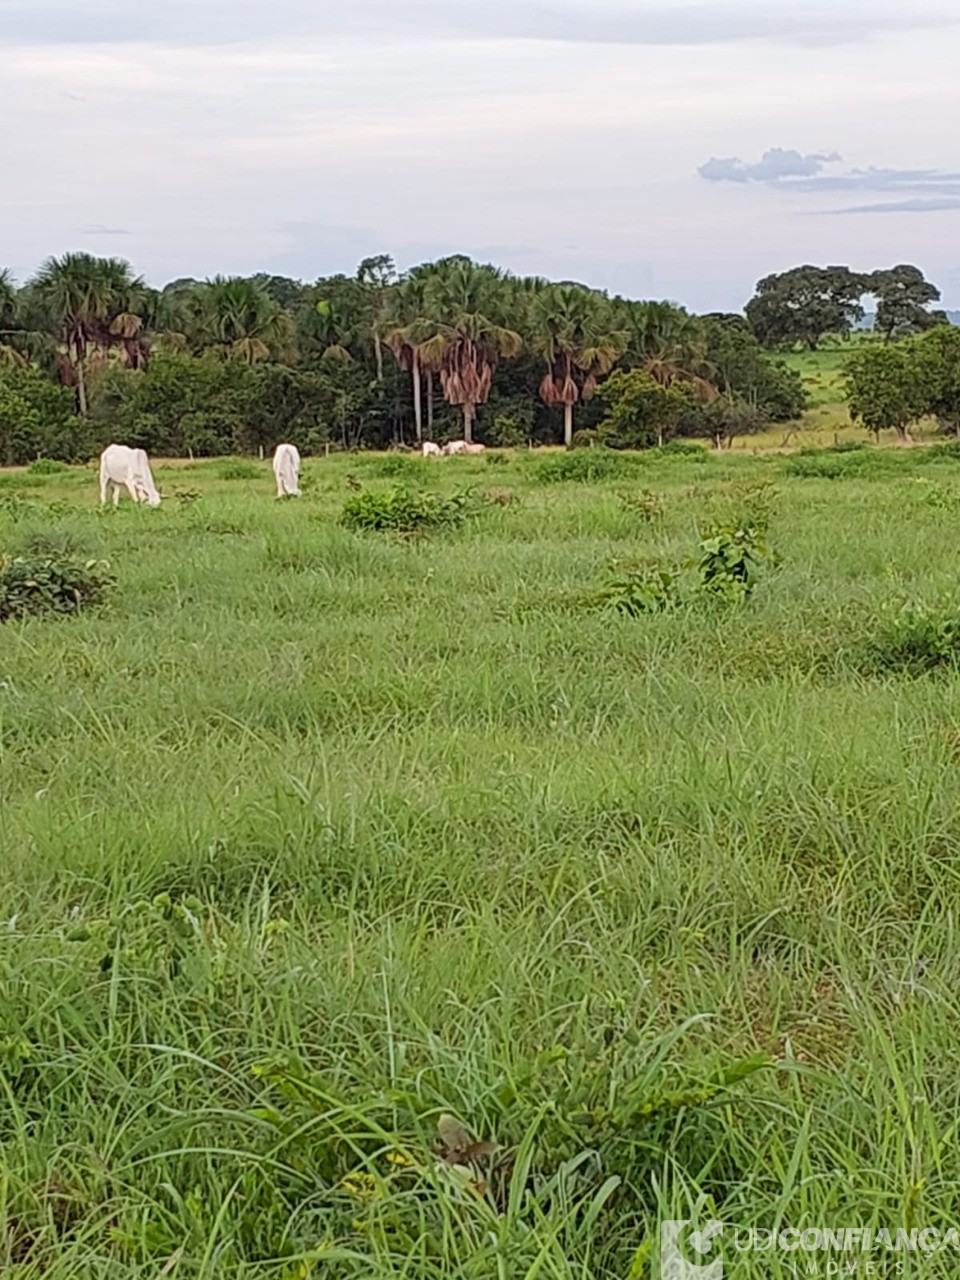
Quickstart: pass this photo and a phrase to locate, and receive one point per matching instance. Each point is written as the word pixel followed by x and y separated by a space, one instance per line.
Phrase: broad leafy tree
pixel 641 411
pixel 801 306
pixel 904 297
pixel 887 388
pixel 938 358
pixel 742 370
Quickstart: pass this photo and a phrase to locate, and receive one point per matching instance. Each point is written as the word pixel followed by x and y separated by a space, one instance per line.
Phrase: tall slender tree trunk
pixel 468 414
pixel 378 349
pixel 568 425
pixel 81 385
pixel 417 406
pixel 430 402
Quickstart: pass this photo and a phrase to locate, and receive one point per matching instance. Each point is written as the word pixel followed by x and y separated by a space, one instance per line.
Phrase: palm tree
pixel 10 327
pixel 237 318
pixel 406 328
pixel 575 331
pixel 466 335
pixel 668 343
pixel 376 276
pixel 91 306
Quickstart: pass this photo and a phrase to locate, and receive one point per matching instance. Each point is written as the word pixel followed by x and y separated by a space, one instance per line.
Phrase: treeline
pixel 89 353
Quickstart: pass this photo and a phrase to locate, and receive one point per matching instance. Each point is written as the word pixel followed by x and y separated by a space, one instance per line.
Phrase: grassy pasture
pixel 311 837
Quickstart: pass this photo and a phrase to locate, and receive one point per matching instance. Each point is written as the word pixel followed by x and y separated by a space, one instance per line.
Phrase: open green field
pixel 310 837
pixel 827 420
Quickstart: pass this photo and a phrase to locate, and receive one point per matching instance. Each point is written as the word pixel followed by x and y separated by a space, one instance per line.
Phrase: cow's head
pixel 150 496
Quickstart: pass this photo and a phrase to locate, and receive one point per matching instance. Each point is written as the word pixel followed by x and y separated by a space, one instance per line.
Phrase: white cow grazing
pixel 286 467
pixel 128 469
pixel 455 446
pixel 431 450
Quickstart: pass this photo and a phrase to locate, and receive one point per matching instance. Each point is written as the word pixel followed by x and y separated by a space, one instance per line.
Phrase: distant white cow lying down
pixel 286 468
pixel 128 469
pixel 431 450
pixel 461 446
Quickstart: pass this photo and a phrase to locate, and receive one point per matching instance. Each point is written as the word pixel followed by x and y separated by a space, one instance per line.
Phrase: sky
pixel 674 149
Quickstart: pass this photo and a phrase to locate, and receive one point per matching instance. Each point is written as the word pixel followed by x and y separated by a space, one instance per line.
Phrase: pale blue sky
pixel 669 148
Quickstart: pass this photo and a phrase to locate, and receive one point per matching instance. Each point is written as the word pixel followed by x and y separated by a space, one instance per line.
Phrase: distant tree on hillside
pixel 904 297
pixel 803 305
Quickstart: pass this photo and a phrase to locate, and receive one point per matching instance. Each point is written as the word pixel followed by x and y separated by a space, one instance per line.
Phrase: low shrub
pixel 648 589
pixel 939 496
pixel 589 438
pixel 402 510
pixel 584 466
pixel 842 462
pixel 507 433
pixel 46 467
pixel 396 466
pixel 15 506
pixel 744 504
pixel 502 497
pixel 49 544
pixel 648 506
pixel 46 585
pixel 681 449
pixel 915 638
pixel 239 469
pixel 728 562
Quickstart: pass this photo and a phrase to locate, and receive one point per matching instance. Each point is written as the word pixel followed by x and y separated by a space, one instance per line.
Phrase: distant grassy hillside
pixel 822 372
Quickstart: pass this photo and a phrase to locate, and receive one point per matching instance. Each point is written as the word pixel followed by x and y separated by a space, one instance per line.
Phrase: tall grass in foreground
pixel 314 837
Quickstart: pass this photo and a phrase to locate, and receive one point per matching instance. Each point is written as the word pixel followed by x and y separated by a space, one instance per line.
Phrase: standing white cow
pixel 286 468
pixel 128 469
pixel 455 446
pixel 431 450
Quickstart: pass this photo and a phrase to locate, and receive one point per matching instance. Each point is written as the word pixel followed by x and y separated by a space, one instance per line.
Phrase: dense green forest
pixel 90 353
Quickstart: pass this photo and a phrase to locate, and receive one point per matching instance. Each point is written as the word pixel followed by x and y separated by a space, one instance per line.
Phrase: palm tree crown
pixel 574 330
pixel 465 335
pixel 92 306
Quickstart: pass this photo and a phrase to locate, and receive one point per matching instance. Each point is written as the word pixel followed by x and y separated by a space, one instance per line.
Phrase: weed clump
pixel 46 467
pixel 405 511
pixel 648 589
pixel 238 469
pixel 648 506
pixel 729 558
pixel 585 466
pixel 48 586
pixel 916 639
